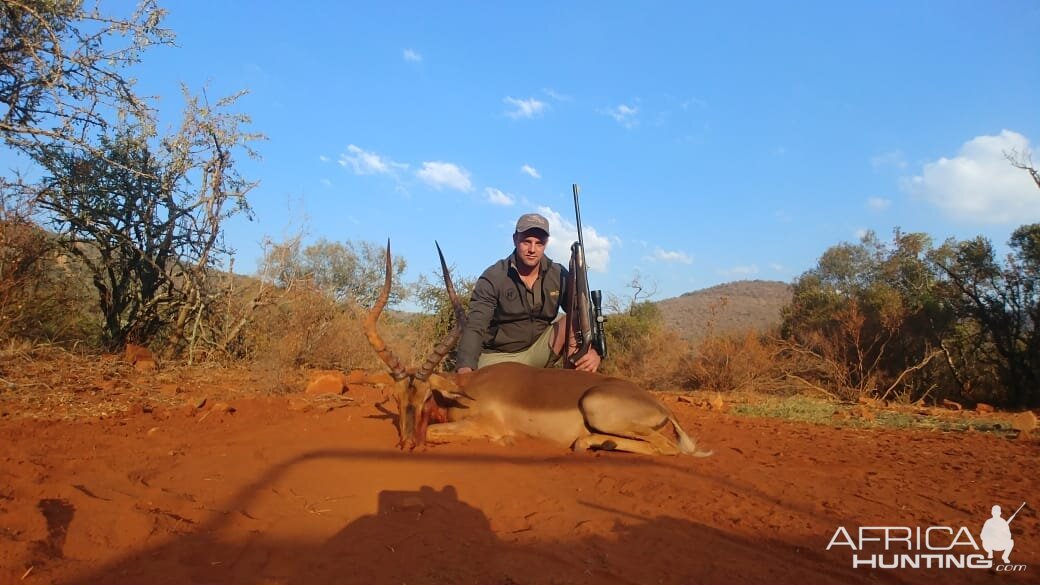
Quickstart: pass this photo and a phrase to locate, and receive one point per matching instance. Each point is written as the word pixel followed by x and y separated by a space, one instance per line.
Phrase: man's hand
pixel 588 362
pixel 463 370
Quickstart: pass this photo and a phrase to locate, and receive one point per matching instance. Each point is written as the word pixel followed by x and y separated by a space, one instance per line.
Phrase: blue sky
pixel 712 141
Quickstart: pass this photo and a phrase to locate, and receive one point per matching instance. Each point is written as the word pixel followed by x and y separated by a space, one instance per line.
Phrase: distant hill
pixel 729 308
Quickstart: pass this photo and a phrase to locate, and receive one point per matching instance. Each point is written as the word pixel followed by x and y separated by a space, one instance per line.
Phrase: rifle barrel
pixel 1016 513
pixel 581 240
pixel 577 215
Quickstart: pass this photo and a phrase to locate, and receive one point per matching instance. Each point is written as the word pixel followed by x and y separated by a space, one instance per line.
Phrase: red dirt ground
pixel 288 489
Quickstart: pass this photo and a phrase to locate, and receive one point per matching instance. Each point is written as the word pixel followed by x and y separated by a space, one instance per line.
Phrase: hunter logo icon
pixel 932 547
pixel 510 294
pixel 996 534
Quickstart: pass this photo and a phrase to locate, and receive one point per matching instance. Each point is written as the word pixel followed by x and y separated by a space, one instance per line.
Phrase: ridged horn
pixel 397 371
pixel 445 346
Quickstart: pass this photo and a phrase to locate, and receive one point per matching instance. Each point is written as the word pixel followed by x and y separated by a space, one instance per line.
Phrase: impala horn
pixel 397 371
pixel 448 343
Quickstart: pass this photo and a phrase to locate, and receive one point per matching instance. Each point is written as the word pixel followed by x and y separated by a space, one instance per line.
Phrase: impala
pixel 580 410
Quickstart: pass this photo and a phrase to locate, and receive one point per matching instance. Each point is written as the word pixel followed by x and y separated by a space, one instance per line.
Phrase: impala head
pixel 417 390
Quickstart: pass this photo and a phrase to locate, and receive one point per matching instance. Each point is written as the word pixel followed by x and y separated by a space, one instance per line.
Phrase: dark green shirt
pixel 506 316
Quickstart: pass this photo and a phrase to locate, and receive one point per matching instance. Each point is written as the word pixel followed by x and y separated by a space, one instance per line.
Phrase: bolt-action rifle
pixel 585 311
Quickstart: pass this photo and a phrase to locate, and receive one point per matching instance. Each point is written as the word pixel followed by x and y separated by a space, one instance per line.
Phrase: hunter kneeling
pixel 514 313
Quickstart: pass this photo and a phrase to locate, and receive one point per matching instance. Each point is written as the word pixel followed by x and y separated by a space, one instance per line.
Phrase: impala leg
pixel 463 429
pixel 662 443
pixel 617 413
pixel 601 442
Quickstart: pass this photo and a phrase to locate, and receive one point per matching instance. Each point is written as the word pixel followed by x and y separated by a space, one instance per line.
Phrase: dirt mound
pixel 309 489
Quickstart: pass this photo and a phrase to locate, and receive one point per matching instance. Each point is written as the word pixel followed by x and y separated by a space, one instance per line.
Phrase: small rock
pixel 135 353
pixel 199 403
pixel 145 365
pixel 138 409
pixel 152 431
pixel 984 408
pixel 717 403
pixel 328 383
pixel 169 389
pixel 1024 422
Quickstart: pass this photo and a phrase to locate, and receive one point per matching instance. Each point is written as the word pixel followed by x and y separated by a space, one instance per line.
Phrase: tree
pixel 346 272
pixel 145 215
pixel 864 314
pixel 62 69
pixel 1003 301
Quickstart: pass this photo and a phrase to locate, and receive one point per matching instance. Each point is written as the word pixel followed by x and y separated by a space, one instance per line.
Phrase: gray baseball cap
pixel 530 221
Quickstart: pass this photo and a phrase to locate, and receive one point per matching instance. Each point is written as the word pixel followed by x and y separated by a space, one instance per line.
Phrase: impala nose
pixel 407 422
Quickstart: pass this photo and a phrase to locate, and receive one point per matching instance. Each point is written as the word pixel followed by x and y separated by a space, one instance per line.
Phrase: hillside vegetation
pixel 730 308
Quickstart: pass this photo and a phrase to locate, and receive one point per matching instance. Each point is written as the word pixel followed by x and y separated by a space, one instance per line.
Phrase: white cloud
pixel 439 174
pixel 323 158
pixel 556 95
pixel 528 108
pixel 879 203
pixel 624 115
pixel 893 158
pixel 326 182
pixel 979 184
pixel 671 256
pixel 498 197
pixel 531 171
pixel 363 162
pixel 777 267
pixel 411 56
pixel 563 233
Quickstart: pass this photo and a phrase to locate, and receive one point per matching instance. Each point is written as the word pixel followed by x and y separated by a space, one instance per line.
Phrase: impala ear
pixel 447 388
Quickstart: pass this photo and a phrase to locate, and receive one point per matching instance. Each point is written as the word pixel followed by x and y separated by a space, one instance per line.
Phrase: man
pixel 996 535
pixel 514 311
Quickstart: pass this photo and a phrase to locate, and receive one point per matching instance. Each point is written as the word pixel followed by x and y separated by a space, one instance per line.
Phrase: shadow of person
pixel 431 535
pixel 417 536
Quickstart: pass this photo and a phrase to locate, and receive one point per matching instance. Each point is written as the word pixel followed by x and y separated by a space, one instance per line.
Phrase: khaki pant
pixel 539 355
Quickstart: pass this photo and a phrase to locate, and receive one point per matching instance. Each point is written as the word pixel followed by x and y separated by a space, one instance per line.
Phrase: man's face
pixel 530 247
